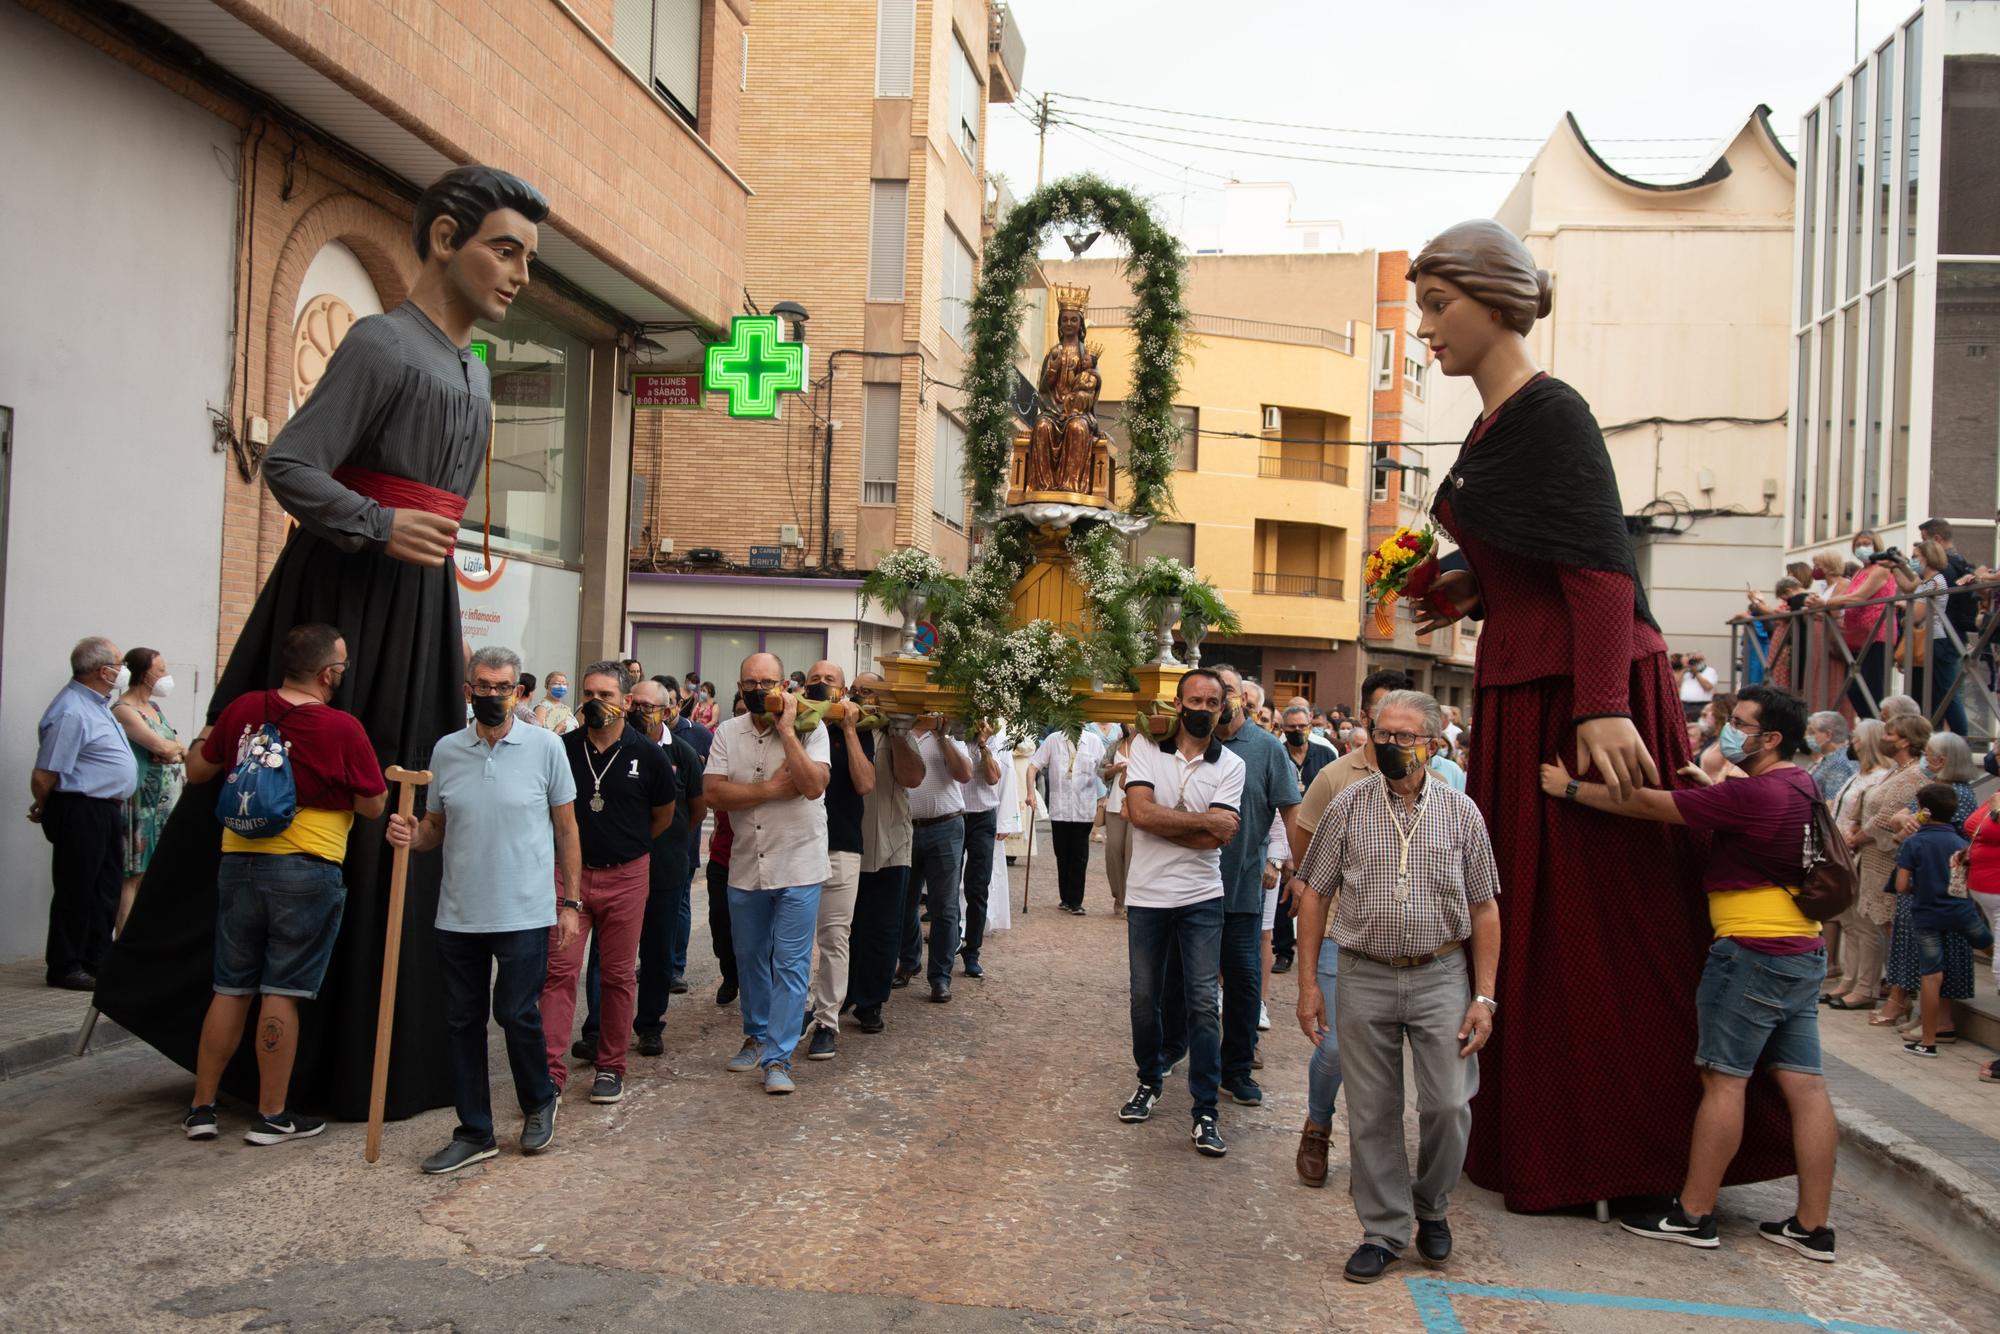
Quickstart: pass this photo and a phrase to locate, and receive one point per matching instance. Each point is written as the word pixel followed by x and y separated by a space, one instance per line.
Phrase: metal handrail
pixel 1302 470
pixel 1299 585
pixel 1813 637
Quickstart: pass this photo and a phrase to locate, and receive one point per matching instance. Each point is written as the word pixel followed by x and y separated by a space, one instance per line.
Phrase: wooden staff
pixel 1028 871
pixel 392 953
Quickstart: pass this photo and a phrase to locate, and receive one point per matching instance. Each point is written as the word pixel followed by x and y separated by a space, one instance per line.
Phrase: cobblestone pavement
pixel 962 1171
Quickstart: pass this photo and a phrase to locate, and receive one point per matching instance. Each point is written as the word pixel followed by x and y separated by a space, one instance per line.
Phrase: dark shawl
pixel 1539 484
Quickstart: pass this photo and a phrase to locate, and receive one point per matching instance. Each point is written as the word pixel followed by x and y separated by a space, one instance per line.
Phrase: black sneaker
pixel 1206 1141
pixel 972 967
pixel 199 1123
pixel 1921 1048
pixel 725 993
pixel 1245 1092
pixel 1141 1105
pixel 459 1153
pixel 1281 963
pixel 679 986
pixel 608 1087
pixel 868 1019
pixel 823 1046
pixel 1816 1244
pixel 1074 909
pixel 279 1129
pixel 538 1128
pixel 652 1044
pixel 583 1049
pixel 1674 1225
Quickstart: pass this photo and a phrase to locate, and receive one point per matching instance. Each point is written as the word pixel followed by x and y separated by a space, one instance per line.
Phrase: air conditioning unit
pixel 788 535
pixel 1274 419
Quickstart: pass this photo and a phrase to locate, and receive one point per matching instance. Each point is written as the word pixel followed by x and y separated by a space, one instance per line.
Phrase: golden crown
pixel 1071 298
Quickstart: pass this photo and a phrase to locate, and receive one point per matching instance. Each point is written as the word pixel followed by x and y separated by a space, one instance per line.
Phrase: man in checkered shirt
pixel 1403 883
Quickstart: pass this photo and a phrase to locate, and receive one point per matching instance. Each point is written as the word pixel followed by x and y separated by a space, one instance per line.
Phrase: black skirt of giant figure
pixel 397 398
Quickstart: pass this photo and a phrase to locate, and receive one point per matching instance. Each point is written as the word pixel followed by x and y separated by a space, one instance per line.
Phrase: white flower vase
pixel 1193 629
pixel 913 609
pixel 1167 612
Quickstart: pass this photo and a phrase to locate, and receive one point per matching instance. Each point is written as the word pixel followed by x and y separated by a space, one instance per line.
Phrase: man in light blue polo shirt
pixel 492 785
pixel 84 770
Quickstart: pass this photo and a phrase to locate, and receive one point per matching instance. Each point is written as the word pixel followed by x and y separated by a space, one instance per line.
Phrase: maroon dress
pixel 1588 1088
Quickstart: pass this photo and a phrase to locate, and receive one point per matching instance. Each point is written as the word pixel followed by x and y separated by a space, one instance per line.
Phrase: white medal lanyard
pixel 597 775
pixel 1403 858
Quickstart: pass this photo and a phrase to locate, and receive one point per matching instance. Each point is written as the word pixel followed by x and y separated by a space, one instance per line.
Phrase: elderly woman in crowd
pixel 1871 768
pixel 1948 760
pixel 1874 837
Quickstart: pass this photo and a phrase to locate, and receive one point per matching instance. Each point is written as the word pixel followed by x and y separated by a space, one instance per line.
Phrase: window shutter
pixel 881 409
pixel 677 52
pixel 632 35
pixel 888 235
pixel 895 47
pixel 948 481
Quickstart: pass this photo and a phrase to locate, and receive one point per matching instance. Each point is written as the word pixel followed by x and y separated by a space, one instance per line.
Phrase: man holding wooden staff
pixel 492 784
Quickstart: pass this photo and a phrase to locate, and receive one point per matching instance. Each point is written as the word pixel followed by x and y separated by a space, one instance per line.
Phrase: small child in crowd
pixel 1923 869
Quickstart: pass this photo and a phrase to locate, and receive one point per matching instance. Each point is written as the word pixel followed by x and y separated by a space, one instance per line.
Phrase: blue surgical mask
pixel 1734 744
pixel 558 692
pixel 1924 767
pixel 1864 553
pixel 1812 744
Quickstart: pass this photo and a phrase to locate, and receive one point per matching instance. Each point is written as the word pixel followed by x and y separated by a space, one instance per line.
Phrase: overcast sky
pixel 1690 71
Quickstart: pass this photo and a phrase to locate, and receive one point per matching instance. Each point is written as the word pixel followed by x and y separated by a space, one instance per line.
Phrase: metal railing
pixel 1299 585
pixel 1302 470
pixel 1225 326
pixel 1834 659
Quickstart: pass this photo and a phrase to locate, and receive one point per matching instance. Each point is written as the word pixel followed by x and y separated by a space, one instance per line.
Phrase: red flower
pixel 1408 541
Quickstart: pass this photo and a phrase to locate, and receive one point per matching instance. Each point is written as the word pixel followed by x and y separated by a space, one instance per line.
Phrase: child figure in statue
pixel 1059 455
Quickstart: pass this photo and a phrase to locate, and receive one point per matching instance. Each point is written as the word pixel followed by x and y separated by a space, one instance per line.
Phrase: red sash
pixel 401 493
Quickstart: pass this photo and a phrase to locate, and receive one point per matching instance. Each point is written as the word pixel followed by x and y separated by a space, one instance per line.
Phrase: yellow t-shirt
pixel 1762 912
pixel 315 832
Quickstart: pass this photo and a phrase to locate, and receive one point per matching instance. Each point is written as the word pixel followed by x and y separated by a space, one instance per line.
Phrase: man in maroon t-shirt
pixel 280 897
pixel 1758 1000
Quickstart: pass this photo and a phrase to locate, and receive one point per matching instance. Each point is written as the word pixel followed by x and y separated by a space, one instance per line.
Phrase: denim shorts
pixel 277 917
pixel 1758 1009
pixel 1930 939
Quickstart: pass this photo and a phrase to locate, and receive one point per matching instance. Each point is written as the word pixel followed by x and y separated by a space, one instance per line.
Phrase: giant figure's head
pixel 480 226
pixel 1476 285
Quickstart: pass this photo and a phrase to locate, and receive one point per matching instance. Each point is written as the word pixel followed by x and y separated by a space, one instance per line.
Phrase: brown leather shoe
pixel 1312 1154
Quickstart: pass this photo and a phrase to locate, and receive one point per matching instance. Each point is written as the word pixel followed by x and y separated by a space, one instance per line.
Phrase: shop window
pixel 541 422
pixel 716 652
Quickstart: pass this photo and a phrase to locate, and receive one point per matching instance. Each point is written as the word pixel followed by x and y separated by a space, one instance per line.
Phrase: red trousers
pixel 614 906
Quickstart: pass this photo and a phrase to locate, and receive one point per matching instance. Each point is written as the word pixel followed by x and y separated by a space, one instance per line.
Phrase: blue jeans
pixel 1195 934
pixel 1242 965
pixel 980 830
pixel 772 930
pixel 277 917
pixel 1938 679
pixel 466 961
pixel 666 911
pixel 937 859
pixel 1323 1075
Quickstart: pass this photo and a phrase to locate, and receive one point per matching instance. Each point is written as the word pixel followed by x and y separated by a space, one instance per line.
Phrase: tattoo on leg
pixel 272 1033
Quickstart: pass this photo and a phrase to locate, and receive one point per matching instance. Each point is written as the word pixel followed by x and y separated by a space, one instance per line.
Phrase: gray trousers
pixel 1376 1006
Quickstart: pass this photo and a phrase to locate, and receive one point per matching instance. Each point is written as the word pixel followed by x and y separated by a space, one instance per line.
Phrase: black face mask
pixel 1227 716
pixel 753 701
pixel 1199 722
pixel 596 713
pixel 1398 763
pixel 818 690
pixel 492 710
pixel 1295 736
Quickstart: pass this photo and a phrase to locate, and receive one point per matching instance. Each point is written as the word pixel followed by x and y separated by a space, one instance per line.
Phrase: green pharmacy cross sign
pixel 754 366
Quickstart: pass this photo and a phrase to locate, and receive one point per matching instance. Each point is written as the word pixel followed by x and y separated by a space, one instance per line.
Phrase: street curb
pixel 1958 1210
pixel 30 1054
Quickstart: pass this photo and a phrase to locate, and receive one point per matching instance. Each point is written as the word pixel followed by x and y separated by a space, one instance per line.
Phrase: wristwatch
pixel 1492 1005
pixel 1569 793
pixel 574 905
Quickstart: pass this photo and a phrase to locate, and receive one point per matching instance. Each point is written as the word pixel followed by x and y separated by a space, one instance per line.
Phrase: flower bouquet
pixel 1393 570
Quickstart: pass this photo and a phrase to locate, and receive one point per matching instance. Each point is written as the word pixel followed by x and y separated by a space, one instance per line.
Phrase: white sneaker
pixel 1263 1018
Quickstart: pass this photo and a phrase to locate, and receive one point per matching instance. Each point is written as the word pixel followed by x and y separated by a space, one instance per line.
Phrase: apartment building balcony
pixel 1306 463
pixel 1278 584
pixel 1006 56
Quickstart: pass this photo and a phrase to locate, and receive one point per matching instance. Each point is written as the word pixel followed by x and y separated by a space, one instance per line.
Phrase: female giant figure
pixel 1588 1087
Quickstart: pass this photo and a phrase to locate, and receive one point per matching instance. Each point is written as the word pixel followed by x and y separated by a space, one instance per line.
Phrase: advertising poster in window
pixel 529 608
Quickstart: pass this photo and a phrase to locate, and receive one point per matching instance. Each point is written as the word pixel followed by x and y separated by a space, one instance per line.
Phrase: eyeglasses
pixel 1404 739
pixel 765 686
pixel 489 689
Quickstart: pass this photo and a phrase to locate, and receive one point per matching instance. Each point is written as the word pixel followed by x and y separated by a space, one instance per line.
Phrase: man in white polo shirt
pixel 1072 769
pixel 937 841
pixel 1182 795
pixel 772 781
pixel 982 819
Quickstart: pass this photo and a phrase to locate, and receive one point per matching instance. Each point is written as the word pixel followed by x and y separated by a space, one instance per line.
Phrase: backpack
pixel 260 797
pixel 1828 882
